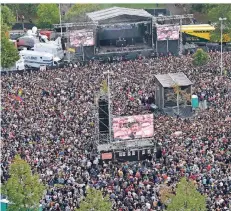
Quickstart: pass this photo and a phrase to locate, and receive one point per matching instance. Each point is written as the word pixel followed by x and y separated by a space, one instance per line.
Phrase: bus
pixel 199 33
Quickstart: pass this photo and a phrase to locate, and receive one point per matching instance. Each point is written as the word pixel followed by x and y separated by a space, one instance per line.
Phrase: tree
pixel 95 201
pixel 28 10
pixel 9 53
pixel 48 14
pixel 200 57
pixel 176 89
pixel 15 9
pixel 214 13
pixel 202 8
pixel 7 16
pixel 180 96
pixel 104 87
pixel 165 194
pixel 187 198
pixel 23 189
pixel 79 11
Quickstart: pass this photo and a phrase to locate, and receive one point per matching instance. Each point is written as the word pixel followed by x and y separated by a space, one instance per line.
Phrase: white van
pixel 53 49
pixel 35 59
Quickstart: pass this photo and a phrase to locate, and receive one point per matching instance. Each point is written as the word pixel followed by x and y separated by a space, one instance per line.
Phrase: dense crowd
pixel 48 118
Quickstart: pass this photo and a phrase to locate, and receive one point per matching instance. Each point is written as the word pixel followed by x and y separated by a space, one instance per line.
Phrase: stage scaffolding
pixel 177 19
pixel 129 145
pixel 102 138
pixel 72 55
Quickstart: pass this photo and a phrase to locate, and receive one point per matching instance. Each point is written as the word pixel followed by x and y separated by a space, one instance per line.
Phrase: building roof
pixel 200 27
pixel 168 80
pixel 115 12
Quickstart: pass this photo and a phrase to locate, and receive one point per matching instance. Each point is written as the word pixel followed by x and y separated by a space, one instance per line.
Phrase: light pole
pixel 222 19
pixel 60 19
pixel 109 103
pixel 181 39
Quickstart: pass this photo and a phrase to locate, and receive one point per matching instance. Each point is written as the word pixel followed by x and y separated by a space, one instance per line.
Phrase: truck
pixel 57 51
pixel 52 47
pixel 36 59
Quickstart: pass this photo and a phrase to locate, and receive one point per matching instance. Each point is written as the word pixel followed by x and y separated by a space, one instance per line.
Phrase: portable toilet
pixel 195 101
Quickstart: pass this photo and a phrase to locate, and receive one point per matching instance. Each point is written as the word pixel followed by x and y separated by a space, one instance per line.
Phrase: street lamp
pixel 222 19
pixel 60 19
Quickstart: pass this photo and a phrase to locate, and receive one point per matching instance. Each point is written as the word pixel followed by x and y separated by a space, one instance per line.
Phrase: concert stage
pixel 102 50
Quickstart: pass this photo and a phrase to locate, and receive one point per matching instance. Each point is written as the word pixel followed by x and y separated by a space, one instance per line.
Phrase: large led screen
pixel 81 38
pixel 167 32
pixel 133 127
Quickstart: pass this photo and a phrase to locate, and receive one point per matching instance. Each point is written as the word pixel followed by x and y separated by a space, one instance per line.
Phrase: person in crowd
pixel 50 124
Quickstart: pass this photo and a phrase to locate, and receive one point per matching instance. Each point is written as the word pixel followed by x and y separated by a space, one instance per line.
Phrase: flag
pixel 20 92
pixel 140 92
pixel 72 50
pixel 104 87
pixel 18 98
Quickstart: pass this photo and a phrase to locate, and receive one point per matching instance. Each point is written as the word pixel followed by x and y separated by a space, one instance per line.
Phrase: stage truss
pixel 101 138
pixel 179 19
pixel 128 145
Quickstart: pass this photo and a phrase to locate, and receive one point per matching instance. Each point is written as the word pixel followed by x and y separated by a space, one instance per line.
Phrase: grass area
pixel 135 6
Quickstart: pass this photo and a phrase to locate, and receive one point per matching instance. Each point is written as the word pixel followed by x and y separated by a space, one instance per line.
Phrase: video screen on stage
pixel 133 127
pixel 81 37
pixel 167 32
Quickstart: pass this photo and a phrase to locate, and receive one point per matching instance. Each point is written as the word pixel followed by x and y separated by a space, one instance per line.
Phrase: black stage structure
pixel 131 150
pixel 122 33
pixel 122 30
pixel 109 33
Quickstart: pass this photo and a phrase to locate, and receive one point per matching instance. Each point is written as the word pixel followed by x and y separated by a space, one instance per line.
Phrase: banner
pixel 133 127
pixel 167 32
pixel 72 50
pixel 106 156
pixel 81 37
pixel 43 67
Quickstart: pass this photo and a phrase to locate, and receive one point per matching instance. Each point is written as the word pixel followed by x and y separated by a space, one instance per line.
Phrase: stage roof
pixel 168 80
pixel 115 12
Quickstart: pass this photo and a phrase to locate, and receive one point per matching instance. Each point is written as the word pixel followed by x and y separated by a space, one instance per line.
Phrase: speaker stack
pixel 103 116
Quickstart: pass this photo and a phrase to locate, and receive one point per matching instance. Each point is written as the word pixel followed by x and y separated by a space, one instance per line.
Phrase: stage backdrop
pixel 81 37
pixel 165 32
pixel 132 127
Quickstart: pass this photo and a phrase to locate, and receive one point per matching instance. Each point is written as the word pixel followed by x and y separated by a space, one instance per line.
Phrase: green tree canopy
pixel 187 198
pixel 95 201
pixel 9 53
pixel 79 11
pixel 23 189
pixel 104 87
pixel 47 14
pixel 223 11
pixel 7 16
pixel 28 10
pixel 202 8
pixel 200 57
